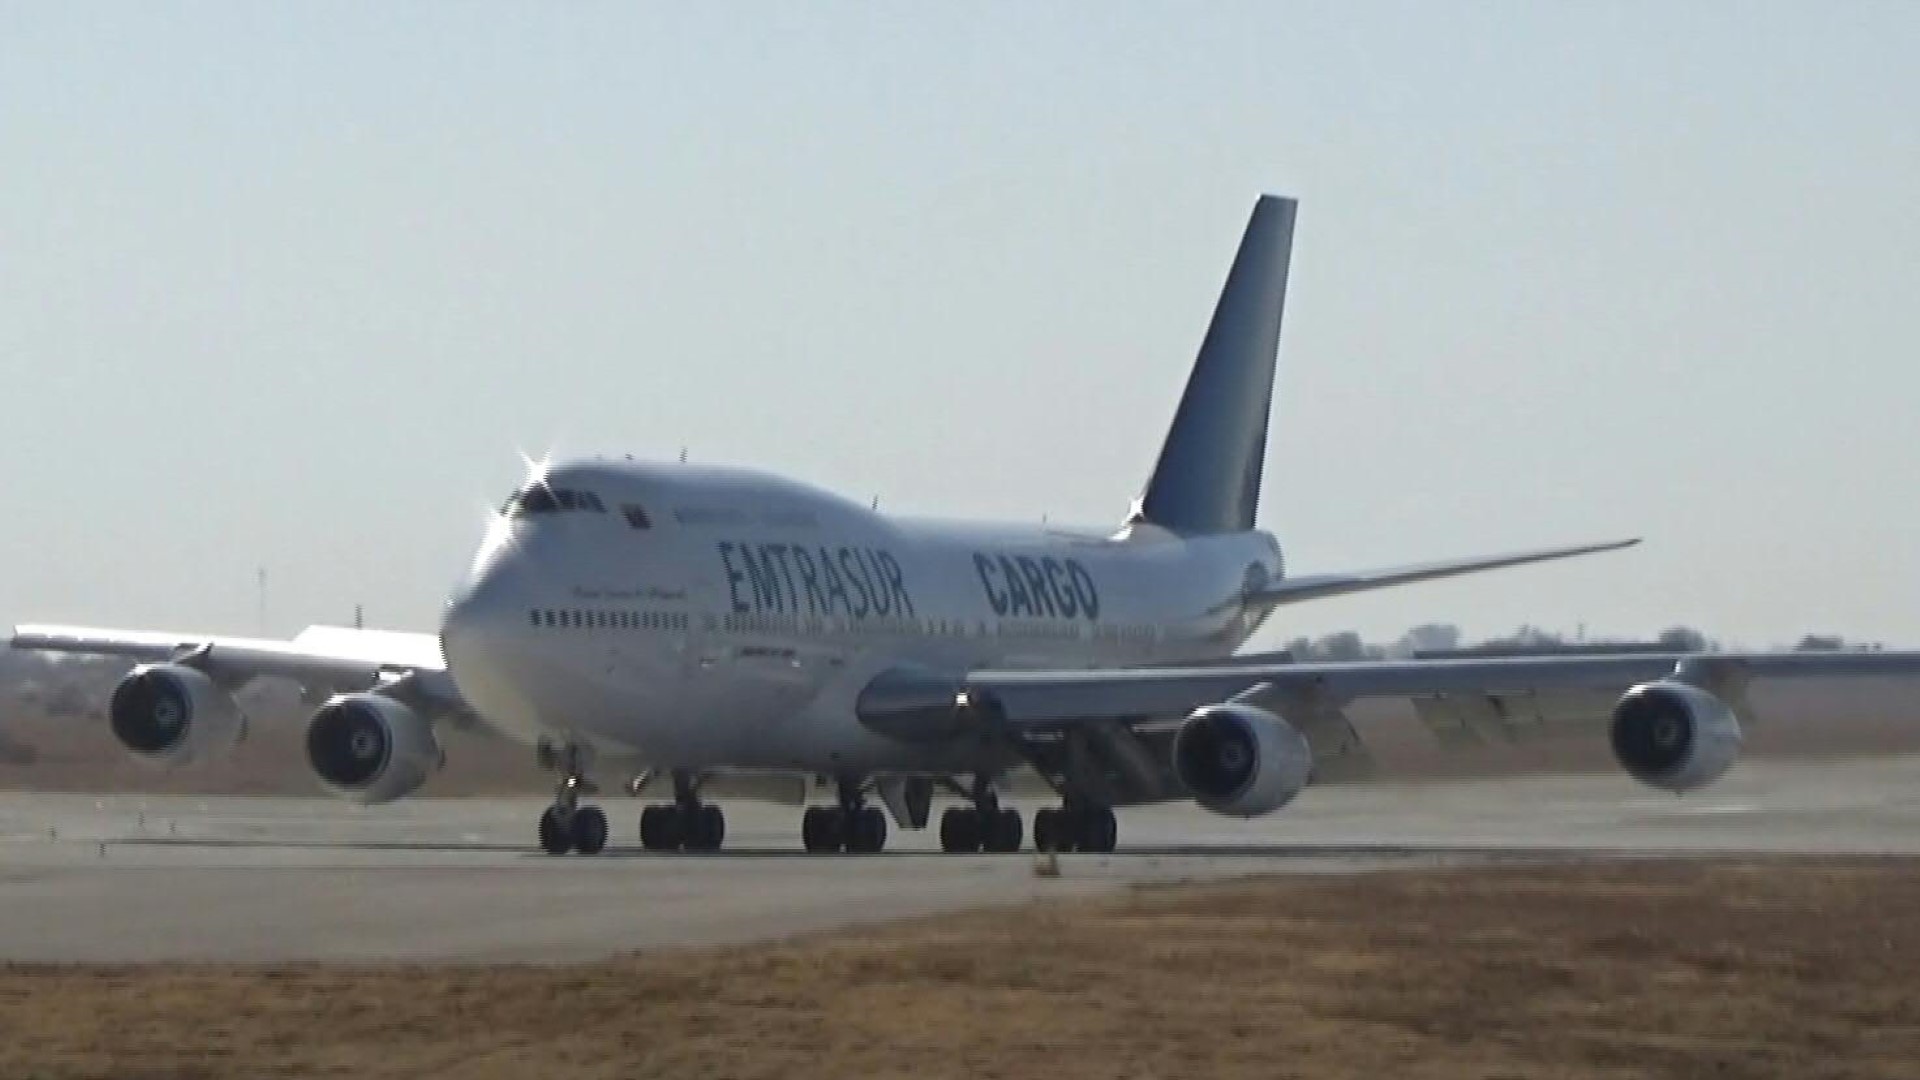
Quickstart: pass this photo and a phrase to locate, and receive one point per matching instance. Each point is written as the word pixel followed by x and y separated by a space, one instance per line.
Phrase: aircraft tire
pixel 555 836
pixel 1003 832
pixel 1052 830
pixel 706 828
pixel 660 828
pixel 588 830
pixel 1098 832
pixel 960 830
pixel 822 829
pixel 866 832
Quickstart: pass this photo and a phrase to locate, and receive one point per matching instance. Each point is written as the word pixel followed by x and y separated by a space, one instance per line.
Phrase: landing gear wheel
pixel 823 829
pixel 556 838
pixel 960 830
pixel 660 828
pixel 705 827
pixel 1052 830
pixel 866 831
pixel 588 830
pixel 1098 832
pixel 1001 831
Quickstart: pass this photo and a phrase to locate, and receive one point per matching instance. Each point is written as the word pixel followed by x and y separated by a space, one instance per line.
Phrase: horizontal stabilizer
pixel 1319 586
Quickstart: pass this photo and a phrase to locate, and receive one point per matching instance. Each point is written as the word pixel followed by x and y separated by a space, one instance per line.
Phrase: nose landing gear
pixel 566 825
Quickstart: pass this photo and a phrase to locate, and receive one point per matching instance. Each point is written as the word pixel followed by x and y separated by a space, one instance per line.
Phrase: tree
pixel 1431 637
pixel 1684 639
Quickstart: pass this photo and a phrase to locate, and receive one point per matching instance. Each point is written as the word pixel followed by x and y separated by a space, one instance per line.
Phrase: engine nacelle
pixel 1241 760
pixel 369 748
pixel 1674 736
pixel 170 714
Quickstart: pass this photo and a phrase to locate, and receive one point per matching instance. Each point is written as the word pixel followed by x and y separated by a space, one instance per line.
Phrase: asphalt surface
pixel 123 878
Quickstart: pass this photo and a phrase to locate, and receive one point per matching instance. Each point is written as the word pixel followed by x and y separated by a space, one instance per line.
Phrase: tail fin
pixel 1208 477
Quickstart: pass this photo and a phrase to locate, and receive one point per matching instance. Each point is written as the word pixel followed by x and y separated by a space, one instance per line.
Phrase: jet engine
pixel 369 748
pixel 170 714
pixel 1240 760
pixel 1674 736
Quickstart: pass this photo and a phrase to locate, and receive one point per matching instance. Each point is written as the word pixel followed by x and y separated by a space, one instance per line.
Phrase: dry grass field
pixel 1807 968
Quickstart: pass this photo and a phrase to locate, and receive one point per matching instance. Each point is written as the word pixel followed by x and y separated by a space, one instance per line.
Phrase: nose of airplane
pixel 484 613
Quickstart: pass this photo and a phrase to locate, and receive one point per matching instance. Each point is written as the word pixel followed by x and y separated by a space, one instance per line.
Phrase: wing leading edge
pixel 325 657
pixel 1044 699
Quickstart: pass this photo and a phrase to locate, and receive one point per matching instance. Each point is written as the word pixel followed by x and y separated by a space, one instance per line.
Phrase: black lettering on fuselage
pixel 896 583
pixel 1036 580
pixel 1019 601
pixel 856 578
pixel 734 578
pixel 764 576
pixel 836 585
pixel 779 551
pixel 772 577
pixel 1062 594
pixel 870 575
pixel 996 598
pixel 1083 589
pixel 810 578
pixel 1037 586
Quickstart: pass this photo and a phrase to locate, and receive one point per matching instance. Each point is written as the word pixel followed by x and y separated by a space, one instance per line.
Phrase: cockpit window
pixel 541 499
pixel 636 516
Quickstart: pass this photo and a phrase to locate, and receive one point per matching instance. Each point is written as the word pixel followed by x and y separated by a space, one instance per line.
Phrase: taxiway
pixel 142 878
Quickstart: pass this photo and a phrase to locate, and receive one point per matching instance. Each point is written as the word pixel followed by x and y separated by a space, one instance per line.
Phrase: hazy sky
pixel 292 284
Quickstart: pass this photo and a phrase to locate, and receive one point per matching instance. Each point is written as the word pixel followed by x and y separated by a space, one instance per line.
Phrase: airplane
pixel 723 624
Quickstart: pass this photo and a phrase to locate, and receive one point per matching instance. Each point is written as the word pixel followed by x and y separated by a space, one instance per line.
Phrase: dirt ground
pixel 1666 969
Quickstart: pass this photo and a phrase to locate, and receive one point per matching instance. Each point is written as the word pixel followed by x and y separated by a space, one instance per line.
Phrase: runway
pixel 117 878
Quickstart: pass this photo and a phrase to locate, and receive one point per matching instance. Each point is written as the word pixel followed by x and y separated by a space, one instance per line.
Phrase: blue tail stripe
pixel 1207 479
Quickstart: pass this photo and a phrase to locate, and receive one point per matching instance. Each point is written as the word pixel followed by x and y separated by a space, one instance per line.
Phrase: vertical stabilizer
pixel 1207 479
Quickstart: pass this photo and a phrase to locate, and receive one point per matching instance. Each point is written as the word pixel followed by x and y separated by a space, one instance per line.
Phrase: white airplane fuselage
pixel 699 617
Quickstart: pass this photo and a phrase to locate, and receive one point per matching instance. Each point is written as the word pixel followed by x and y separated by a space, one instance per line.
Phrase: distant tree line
pixel 1430 638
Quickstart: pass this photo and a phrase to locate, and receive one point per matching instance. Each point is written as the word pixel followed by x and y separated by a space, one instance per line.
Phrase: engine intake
pixel 1240 760
pixel 171 714
pixel 1674 736
pixel 370 748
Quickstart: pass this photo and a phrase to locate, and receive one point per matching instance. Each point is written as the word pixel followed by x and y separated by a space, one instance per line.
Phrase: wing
pixel 1122 721
pixel 1316 586
pixel 320 658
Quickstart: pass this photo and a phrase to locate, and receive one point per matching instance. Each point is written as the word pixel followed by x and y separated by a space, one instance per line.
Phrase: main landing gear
pixel 1076 826
pixel 984 826
pixel 852 826
pixel 686 823
pixel 566 825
